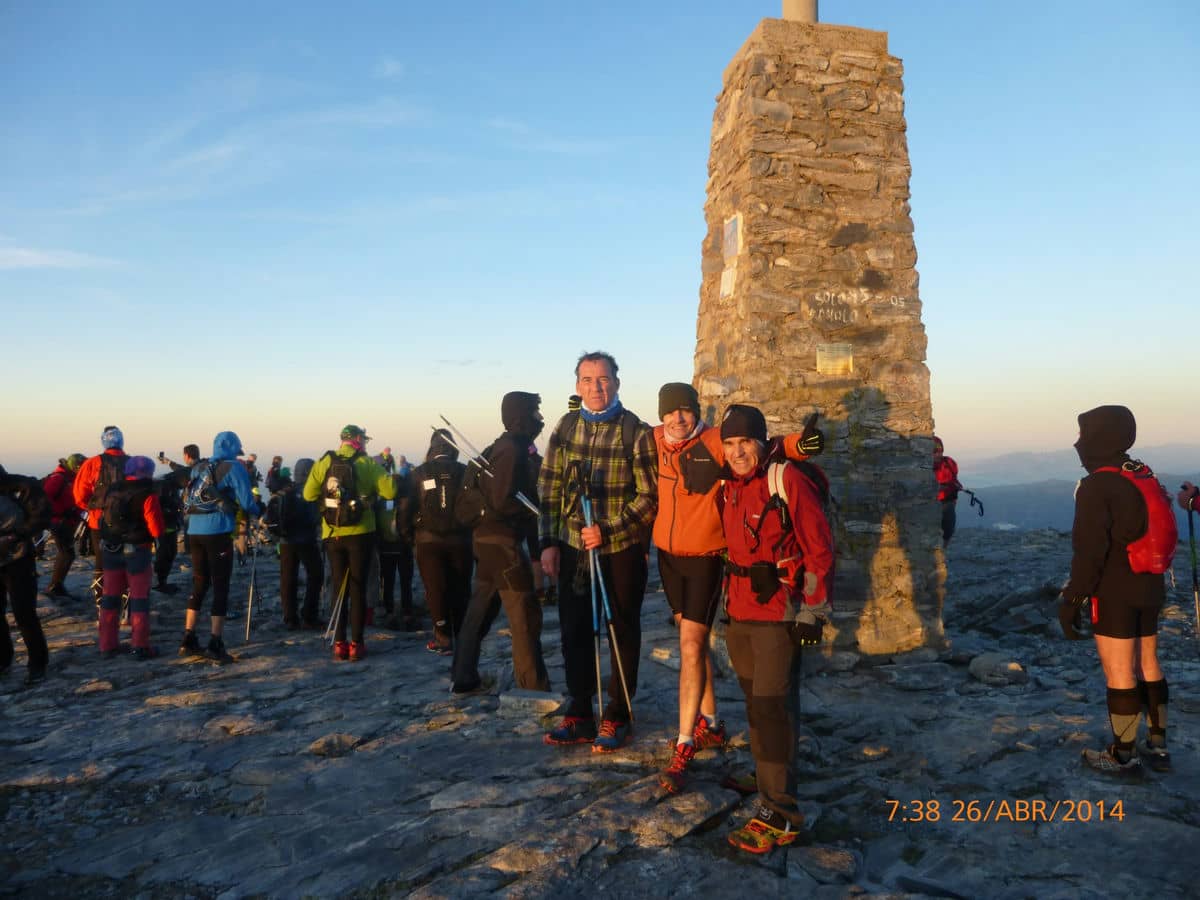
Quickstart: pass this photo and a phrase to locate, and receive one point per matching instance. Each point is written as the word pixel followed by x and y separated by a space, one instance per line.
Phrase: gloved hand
pixel 1187 495
pixel 1070 616
pixel 807 627
pixel 812 440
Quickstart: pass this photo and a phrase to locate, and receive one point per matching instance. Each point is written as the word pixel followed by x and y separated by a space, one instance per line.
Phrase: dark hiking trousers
pixel 504 576
pixel 166 548
pixel 64 539
pixel 625 577
pixel 18 586
pixel 291 557
pixel 767 666
pixel 350 559
pixel 445 564
pixel 396 559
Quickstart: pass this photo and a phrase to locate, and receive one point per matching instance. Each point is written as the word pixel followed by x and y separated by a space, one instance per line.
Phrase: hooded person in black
pixel 441 545
pixel 1110 513
pixel 24 514
pixel 503 573
pixel 299 532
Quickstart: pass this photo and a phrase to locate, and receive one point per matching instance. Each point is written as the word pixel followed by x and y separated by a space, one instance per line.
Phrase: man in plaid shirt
pixel 612 451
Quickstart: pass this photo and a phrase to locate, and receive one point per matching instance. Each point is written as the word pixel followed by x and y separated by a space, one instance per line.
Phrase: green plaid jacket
pixel 624 499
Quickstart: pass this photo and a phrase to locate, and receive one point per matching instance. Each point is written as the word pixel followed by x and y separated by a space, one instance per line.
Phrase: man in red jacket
pixel 945 469
pixel 91 483
pixel 780 570
pixel 130 521
pixel 64 518
pixel 690 544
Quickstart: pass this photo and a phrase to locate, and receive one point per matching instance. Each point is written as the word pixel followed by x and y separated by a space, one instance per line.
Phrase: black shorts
pixel 1114 619
pixel 692 585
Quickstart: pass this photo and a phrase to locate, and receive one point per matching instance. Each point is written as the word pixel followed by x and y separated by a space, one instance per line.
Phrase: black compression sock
pixel 1154 699
pixel 1124 712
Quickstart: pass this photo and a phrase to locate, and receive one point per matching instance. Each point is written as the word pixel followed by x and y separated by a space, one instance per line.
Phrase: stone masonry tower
pixel 809 303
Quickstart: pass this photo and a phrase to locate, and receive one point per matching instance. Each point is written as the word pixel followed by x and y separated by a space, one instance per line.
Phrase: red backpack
pixel 1153 551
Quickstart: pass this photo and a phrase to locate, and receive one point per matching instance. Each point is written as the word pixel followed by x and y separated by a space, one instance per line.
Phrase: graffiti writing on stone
pixel 838 308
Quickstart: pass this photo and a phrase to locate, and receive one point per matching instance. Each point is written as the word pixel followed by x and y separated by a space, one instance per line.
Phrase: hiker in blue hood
pixel 218 487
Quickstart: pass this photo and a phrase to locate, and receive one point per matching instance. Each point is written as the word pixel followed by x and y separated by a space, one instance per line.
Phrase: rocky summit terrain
pixel 947 773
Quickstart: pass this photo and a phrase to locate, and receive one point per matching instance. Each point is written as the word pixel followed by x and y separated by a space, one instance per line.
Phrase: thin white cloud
pixel 510 125
pixel 520 136
pixel 384 112
pixel 29 258
pixel 389 68
pixel 213 156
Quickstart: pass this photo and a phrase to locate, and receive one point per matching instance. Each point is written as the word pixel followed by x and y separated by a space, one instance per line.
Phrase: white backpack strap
pixel 775 480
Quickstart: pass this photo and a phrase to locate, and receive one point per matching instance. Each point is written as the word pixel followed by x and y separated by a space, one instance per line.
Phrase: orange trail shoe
pixel 674 776
pixel 341 650
pixel 763 833
pixel 705 735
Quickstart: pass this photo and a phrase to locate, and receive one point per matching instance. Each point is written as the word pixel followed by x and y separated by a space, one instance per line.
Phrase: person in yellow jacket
pixel 344 484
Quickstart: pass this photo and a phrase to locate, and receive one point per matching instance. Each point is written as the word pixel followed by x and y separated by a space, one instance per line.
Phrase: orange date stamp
pixel 1008 810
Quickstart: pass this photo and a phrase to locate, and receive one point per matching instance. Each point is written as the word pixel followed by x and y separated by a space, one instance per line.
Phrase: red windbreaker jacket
pixel 806 547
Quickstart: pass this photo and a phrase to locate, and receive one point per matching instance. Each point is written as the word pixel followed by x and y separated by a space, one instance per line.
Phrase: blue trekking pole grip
pixel 586 505
pixel 598 576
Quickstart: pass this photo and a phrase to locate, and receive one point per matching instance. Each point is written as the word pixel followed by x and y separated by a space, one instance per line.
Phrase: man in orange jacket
pixel 91 485
pixel 691 546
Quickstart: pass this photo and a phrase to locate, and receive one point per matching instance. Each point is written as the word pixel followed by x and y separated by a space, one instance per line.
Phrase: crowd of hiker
pixel 739 521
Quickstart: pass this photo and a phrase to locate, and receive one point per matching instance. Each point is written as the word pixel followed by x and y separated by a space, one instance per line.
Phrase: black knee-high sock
pixel 1153 695
pixel 1124 712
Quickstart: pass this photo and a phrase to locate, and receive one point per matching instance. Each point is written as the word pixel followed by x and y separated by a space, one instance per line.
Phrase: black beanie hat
pixel 676 395
pixel 744 421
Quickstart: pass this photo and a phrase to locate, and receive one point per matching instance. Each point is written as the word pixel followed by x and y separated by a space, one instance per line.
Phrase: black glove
pixel 1070 617
pixel 805 630
pixel 806 634
pixel 812 441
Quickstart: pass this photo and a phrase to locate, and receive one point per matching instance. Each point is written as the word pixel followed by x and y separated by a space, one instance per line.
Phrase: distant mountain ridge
pixel 1044 504
pixel 1026 468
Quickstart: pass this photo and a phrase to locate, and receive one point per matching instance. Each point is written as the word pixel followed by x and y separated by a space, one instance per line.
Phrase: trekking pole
pixel 250 595
pixel 1195 578
pixel 975 501
pixel 480 460
pixel 598 577
pixel 596 635
pixel 337 608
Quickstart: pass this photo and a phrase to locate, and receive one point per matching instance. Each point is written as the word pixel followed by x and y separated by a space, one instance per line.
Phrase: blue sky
pixel 280 218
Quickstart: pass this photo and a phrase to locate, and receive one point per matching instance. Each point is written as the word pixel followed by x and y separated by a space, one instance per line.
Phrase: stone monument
pixel 809 302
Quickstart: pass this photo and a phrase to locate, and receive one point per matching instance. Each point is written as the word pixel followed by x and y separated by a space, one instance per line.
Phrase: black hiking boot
pixel 190 645
pixel 216 651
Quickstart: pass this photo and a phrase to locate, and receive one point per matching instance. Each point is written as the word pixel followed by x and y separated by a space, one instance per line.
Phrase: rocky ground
pixel 287 774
